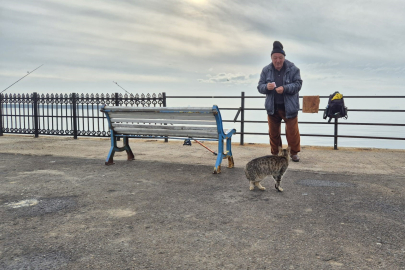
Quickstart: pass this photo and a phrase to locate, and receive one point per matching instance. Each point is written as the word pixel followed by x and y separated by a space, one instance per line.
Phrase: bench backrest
pixel 192 122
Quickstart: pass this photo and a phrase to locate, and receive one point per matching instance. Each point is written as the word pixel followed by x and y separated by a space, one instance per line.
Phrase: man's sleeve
pixel 262 86
pixel 295 86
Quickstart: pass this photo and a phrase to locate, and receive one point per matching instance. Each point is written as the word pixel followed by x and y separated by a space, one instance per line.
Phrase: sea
pixel 259 114
pixel 254 106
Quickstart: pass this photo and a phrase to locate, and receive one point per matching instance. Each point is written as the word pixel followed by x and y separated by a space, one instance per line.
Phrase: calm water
pixel 350 130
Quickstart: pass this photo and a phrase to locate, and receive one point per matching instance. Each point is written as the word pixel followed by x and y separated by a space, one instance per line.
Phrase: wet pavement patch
pixel 37 261
pixel 39 207
pixel 322 183
pixel 388 207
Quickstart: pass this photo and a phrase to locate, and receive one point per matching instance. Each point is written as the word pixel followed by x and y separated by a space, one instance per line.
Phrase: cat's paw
pixel 280 189
pixel 251 187
pixel 260 186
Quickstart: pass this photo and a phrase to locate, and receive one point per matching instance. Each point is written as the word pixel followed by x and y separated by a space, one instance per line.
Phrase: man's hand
pixel 271 86
pixel 280 89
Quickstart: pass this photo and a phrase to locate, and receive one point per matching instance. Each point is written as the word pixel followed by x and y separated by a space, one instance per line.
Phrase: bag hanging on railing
pixel 336 107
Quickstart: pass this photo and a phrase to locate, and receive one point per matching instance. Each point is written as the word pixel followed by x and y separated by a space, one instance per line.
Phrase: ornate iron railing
pixel 65 114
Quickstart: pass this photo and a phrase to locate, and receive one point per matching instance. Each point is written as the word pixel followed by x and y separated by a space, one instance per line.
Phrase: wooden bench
pixel 195 123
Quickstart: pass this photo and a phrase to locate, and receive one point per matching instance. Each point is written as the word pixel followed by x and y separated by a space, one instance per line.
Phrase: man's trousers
pixel 291 131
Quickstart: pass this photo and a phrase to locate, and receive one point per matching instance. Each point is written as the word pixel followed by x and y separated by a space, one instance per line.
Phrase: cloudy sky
pixel 198 47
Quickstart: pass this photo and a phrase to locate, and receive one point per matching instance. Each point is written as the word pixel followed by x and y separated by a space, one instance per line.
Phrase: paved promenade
pixel 62 208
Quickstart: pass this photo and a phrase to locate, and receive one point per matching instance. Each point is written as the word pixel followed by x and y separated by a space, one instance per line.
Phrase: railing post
pixel 1 114
pixel 242 117
pixel 336 134
pixel 164 99
pixel 117 103
pixel 36 128
pixel 164 105
pixel 74 112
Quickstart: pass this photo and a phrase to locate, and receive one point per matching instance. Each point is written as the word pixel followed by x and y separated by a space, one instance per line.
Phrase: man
pixel 280 82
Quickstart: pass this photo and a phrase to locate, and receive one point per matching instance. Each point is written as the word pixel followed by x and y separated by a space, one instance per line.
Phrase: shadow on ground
pixel 72 213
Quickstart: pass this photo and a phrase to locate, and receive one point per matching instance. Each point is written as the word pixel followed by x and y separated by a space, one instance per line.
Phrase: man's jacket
pixel 292 85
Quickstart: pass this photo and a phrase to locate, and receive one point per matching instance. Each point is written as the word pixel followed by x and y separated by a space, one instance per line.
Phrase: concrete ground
pixel 62 208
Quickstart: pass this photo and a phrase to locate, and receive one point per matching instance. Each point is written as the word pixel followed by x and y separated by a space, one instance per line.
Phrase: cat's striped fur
pixel 257 169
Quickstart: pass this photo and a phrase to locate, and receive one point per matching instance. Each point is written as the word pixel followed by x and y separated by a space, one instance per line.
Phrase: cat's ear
pixel 288 149
pixel 280 148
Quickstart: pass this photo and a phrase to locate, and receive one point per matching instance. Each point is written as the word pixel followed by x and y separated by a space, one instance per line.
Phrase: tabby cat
pixel 257 169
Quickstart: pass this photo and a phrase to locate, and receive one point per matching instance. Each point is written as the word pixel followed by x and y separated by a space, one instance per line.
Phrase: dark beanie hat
pixel 277 48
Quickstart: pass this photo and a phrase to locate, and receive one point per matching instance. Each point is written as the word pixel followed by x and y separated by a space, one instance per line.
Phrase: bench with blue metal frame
pixel 197 123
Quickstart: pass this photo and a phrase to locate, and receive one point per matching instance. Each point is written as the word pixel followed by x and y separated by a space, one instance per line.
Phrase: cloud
pixel 179 41
pixel 322 65
pixel 230 78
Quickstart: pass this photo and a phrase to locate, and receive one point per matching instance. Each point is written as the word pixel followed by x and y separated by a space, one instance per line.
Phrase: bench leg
pixel 130 155
pixel 217 168
pixel 114 148
pixel 110 157
pixel 231 164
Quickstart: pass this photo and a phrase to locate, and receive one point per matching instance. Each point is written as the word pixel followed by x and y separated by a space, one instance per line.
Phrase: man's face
pixel 278 60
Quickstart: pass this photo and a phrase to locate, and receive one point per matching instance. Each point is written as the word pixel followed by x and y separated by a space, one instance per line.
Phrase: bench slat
pixel 153 115
pixel 131 120
pixel 207 110
pixel 209 129
pixel 166 132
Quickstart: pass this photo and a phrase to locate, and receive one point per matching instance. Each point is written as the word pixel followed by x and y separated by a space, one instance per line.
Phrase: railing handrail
pixel 263 96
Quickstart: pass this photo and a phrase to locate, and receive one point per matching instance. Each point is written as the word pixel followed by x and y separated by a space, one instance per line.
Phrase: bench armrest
pixel 230 132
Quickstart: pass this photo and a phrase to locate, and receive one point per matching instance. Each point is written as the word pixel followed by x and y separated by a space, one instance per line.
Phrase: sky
pixel 208 48
pixel 198 47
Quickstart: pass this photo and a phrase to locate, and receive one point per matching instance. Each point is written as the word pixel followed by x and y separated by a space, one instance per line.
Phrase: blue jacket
pixel 292 85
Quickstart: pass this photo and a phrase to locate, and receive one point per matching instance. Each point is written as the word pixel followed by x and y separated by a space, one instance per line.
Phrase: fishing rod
pixel 28 73
pixel 122 88
pixel 188 142
pixel 215 153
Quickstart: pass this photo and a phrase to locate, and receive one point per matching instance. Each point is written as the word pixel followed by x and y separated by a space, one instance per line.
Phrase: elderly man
pixel 280 82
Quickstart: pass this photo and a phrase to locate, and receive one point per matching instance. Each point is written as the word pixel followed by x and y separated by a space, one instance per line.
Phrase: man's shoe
pixel 295 158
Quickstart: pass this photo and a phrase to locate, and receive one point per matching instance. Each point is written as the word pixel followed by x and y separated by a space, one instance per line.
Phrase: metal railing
pixel 242 109
pixel 79 115
pixel 72 115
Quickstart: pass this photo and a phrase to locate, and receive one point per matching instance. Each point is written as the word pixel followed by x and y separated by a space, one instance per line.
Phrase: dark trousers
pixel 291 131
